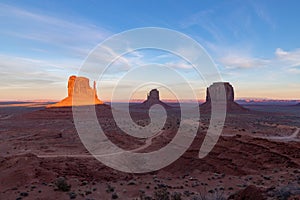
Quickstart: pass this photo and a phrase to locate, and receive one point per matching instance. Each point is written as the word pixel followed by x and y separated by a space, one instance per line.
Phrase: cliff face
pixel 152 99
pixel 79 93
pixel 215 92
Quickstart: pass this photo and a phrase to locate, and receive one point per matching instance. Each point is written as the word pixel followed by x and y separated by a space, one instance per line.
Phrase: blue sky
pixel 255 44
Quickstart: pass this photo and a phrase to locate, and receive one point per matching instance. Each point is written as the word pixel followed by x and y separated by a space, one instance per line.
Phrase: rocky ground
pixel 42 157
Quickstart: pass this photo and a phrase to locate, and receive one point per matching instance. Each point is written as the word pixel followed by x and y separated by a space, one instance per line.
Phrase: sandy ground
pixel 40 147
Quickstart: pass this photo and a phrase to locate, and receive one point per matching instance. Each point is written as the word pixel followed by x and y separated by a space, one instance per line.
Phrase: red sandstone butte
pixel 215 92
pixel 79 93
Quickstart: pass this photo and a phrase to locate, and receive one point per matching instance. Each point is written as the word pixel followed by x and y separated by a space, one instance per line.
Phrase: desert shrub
pixel 161 194
pixel 145 198
pixel 176 196
pixel 62 184
pixel 286 192
pixel 283 194
pixel 109 188
pixel 210 196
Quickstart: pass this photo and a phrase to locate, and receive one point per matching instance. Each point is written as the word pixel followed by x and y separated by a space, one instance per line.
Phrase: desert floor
pixel 42 157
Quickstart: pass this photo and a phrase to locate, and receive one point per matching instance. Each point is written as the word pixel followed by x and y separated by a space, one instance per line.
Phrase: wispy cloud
pixel 179 65
pixel 229 22
pixel 47 48
pixel 204 19
pixel 294 70
pixel 74 35
pixel 242 62
pixel 284 59
pixel 20 72
pixel 289 58
pixel 262 13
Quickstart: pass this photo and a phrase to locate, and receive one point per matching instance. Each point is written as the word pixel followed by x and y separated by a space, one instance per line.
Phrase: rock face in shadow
pixel 141 111
pixel 79 93
pixel 152 99
pixel 221 93
pixel 216 90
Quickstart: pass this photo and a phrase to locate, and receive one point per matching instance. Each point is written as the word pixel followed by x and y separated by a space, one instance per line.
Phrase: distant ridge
pixel 266 102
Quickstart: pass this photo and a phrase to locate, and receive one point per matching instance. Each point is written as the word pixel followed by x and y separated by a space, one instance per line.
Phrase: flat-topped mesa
pixel 221 92
pixel 79 93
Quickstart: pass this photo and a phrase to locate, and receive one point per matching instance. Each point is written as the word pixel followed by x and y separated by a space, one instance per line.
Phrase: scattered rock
pixel 72 195
pixel 110 188
pixel 131 182
pixel 24 194
pixel 114 196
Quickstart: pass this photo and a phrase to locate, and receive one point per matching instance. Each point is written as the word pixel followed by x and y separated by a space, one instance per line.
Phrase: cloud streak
pixel 285 59
pixel 290 58
pixel 242 62
pixel 20 72
pixel 76 35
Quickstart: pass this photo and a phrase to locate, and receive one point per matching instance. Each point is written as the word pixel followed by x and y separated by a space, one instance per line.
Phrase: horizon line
pixel 247 99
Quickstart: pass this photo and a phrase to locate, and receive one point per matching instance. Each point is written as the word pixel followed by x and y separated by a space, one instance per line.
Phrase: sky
pixel 254 44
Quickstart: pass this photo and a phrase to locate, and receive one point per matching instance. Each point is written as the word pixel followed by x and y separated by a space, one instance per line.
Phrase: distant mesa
pixel 215 92
pixel 152 99
pixel 79 93
pixel 141 111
